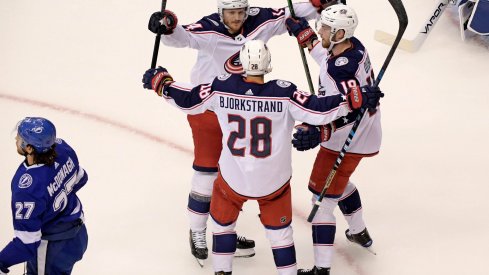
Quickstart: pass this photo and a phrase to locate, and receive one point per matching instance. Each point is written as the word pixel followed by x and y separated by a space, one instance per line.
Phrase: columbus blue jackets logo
pixel 283 83
pixel 341 61
pixel 25 181
pixel 233 64
pixel 253 11
pixel 223 77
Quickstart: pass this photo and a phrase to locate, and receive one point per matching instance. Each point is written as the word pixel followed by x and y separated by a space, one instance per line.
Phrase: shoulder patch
pixel 341 61
pixel 223 77
pixel 283 83
pixel 253 11
pixel 25 181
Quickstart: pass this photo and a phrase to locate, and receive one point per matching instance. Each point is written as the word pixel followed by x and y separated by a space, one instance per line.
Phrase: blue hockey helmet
pixel 38 132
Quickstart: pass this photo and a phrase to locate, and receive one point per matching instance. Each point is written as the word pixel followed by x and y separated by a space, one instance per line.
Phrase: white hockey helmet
pixel 232 4
pixel 255 58
pixel 340 17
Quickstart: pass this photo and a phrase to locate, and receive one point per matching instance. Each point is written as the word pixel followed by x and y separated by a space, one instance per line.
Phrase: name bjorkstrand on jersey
pixel 250 105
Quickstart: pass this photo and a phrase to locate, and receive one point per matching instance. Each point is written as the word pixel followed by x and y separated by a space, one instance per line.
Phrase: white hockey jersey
pixel 336 75
pixel 256 122
pixel 218 51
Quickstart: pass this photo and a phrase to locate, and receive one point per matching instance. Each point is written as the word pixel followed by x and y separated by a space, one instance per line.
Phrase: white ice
pixel 80 63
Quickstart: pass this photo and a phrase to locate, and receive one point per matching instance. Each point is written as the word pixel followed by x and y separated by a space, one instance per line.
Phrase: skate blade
pixel 244 253
pixel 200 262
pixel 369 249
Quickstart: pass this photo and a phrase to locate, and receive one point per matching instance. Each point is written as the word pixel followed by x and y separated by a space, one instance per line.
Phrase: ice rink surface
pixel 80 63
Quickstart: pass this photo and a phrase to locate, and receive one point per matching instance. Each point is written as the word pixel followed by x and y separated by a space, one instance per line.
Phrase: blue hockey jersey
pixel 44 201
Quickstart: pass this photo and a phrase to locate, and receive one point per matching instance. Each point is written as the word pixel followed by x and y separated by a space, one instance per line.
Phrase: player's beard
pixel 325 43
pixel 235 26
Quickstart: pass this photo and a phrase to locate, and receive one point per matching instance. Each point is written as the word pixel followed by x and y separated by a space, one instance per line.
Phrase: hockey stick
pixel 303 55
pixel 403 22
pixel 415 44
pixel 157 40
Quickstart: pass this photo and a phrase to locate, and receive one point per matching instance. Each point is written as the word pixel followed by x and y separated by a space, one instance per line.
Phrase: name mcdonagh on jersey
pixel 250 105
pixel 59 178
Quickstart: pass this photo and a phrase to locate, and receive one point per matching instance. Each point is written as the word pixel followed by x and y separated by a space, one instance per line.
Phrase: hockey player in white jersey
pixel 344 64
pixel 256 119
pixel 50 235
pixel 218 39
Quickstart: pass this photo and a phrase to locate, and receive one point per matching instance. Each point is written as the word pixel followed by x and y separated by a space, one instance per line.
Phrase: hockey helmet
pixel 232 4
pixel 340 17
pixel 255 58
pixel 38 132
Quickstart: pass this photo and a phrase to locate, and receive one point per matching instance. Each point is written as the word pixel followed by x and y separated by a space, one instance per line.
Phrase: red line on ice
pixel 100 119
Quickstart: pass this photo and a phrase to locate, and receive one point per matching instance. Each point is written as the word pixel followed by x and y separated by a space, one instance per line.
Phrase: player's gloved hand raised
pixel 164 22
pixel 309 136
pixel 155 79
pixel 301 30
pixel 365 96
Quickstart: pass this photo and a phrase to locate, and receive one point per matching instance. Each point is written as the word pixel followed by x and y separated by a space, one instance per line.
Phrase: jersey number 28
pixel 261 140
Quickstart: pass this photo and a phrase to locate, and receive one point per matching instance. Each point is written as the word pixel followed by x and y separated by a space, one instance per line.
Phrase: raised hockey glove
pixel 365 96
pixel 163 23
pixel 309 136
pixel 301 30
pixel 155 79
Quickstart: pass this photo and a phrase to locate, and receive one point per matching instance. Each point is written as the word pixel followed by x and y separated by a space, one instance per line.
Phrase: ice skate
pixel 314 271
pixel 244 248
pixel 198 246
pixel 363 239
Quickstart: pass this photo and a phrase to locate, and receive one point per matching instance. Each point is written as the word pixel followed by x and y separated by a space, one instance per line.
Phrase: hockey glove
pixel 155 79
pixel 301 30
pixel 163 23
pixel 309 136
pixel 365 96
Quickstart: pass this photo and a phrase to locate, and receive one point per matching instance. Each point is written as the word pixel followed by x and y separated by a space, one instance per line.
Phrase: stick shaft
pixel 156 47
pixel 303 55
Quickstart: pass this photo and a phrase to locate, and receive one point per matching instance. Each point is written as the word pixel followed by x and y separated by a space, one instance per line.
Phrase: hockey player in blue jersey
pixel 47 214
pixel 256 118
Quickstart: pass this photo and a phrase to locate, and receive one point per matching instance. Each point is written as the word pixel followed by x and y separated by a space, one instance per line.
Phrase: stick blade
pixel 388 39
